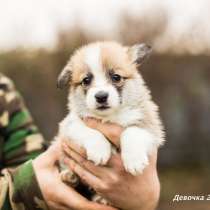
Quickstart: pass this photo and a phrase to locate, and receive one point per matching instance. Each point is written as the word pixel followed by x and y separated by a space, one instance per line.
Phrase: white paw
pixel 98 149
pixel 135 163
pixel 136 144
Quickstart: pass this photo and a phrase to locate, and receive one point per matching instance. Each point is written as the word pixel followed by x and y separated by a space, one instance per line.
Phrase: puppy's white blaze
pixel 94 61
pixel 93 58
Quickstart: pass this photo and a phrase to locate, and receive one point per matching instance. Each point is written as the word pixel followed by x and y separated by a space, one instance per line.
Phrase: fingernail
pixel 65 160
pixel 68 161
pixel 71 163
pixel 88 119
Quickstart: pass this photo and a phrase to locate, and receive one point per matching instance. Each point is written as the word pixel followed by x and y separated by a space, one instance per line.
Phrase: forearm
pixel 20 139
pixel 19 189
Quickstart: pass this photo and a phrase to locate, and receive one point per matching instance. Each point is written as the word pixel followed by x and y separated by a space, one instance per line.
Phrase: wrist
pixel 150 200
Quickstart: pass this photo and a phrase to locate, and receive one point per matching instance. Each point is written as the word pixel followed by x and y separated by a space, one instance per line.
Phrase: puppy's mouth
pixel 103 107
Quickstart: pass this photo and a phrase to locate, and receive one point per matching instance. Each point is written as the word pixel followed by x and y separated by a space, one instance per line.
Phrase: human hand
pixel 57 194
pixel 112 181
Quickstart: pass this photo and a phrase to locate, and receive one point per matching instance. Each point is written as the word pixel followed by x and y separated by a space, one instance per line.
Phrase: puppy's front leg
pixel 136 144
pixel 97 146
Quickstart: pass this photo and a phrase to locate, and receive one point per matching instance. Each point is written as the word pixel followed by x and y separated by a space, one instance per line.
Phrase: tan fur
pixel 78 68
pixel 113 55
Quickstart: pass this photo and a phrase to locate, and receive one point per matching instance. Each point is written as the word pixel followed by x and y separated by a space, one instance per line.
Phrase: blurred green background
pixel 180 84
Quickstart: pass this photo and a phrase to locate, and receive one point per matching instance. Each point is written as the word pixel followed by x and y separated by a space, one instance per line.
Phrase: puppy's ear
pixel 64 78
pixel 139 53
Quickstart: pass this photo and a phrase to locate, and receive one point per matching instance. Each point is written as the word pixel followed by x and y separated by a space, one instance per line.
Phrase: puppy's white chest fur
pixel 136 142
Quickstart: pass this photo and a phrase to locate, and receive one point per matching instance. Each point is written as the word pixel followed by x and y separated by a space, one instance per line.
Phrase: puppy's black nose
pixel 101 97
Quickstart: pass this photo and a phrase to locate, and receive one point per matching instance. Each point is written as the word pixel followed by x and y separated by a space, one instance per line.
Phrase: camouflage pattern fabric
pixel 20 141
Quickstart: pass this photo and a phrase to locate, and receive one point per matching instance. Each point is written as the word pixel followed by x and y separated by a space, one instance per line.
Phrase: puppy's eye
pixel 87 80
pixel 116 77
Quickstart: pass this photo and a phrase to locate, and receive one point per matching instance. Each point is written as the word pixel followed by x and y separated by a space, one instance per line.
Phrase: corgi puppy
pixel 104 81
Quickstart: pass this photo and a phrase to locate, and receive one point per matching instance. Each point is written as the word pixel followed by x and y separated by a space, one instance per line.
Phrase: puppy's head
pixel 98 73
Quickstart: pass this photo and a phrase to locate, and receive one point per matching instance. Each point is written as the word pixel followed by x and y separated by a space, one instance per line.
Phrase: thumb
pixel 55 150
pixel 50 157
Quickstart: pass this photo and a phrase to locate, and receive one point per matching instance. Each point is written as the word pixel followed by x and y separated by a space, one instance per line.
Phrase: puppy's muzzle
pixel 101 97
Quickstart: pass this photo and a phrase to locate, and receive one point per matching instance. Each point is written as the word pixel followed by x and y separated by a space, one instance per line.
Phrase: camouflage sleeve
pixel 20 141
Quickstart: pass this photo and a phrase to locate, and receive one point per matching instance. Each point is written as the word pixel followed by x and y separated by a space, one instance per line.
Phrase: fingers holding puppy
pixel 80 159
pixel 109 130
pixel 69 146
pixel 99 184
pixel 79 155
